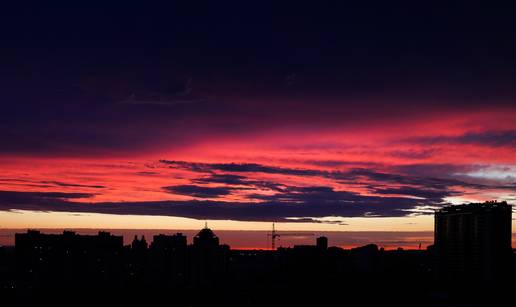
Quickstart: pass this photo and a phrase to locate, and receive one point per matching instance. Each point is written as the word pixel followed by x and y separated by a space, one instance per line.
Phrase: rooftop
pixel 473 207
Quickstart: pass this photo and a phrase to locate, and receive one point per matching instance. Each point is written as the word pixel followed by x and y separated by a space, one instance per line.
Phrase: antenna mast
pixel 274 235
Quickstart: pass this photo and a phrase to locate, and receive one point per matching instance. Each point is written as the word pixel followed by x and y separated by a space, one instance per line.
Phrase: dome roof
pixel 206 233
pixel 206 238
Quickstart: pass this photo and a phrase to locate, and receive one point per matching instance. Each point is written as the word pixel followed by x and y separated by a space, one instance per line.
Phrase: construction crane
pixel 275 235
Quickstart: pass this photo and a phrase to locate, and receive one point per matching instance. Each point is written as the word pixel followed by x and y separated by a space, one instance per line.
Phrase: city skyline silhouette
pixel 472 250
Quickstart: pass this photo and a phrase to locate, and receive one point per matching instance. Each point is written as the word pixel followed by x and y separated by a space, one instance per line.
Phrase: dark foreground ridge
pixel 471 264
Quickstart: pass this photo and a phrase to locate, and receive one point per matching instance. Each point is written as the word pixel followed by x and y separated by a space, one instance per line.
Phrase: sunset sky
pixel 332 118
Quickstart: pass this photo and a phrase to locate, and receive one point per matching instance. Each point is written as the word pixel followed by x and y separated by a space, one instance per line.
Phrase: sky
pixel 320 118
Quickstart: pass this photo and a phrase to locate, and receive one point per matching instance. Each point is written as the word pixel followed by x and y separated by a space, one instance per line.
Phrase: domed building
pixel 209 259
pixel 206 238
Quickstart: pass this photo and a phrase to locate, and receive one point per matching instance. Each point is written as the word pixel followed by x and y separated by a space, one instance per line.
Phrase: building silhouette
pixel 208 259
pixel 169 259
pixel 140 244
pixel 60 260
pixel 206 239
pixel 168 244
pixel 471 245
pixel 322 243
pixel 473 242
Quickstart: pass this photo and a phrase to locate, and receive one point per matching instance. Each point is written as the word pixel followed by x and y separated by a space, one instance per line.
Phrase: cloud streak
pixel 505 138
pixel 437 176
pixel 198 191
pixel 313 202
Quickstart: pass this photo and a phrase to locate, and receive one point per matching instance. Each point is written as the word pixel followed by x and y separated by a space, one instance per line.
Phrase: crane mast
pixel 275 235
